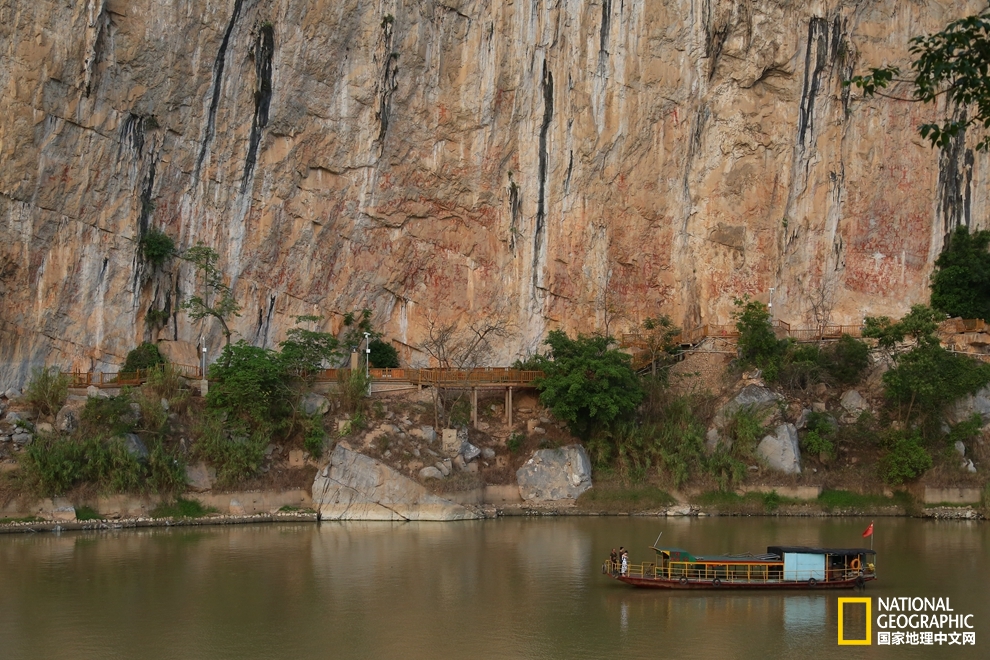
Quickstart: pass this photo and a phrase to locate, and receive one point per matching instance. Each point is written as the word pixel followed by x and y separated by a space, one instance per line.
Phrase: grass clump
pixel 181 508
pixel 236 455
pixel 314 436
pixel 84 513
pixel 54 465
pixel 47 391
pixel 844 499
pixel 623 497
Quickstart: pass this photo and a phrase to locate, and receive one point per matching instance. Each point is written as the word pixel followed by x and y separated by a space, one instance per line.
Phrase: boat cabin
pixel 780 565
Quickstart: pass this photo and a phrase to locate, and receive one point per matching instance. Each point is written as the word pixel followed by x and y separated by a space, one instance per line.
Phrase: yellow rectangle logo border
pixel 869 620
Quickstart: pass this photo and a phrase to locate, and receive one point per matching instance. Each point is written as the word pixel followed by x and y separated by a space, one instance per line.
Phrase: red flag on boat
pixel 869 531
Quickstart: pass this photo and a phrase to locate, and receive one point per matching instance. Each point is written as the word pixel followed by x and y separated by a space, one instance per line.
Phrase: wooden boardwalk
pixel 495 377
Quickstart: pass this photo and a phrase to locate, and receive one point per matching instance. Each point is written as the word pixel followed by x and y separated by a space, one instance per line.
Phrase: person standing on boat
pixel 613 561
pixel 624 558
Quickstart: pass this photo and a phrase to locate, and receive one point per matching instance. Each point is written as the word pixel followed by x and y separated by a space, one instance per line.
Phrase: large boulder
pixel 200 477
pixel 781 451
pixel 853 402
pixel 135 446
pixel 315 404
pixel 760 400
pixel 966 407
pixel 357 487
pixel 555 474
pixel 68 416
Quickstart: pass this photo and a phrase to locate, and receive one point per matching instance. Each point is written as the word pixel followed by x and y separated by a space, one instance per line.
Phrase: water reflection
pixel 515 588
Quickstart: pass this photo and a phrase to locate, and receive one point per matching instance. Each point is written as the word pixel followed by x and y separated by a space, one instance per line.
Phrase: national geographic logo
pixel 867 618
pixel 904 621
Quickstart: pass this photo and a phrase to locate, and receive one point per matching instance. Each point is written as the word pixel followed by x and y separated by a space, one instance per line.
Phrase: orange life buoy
pixel 855 564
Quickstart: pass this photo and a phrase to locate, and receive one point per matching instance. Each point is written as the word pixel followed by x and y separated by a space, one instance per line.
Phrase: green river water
pixel 507 588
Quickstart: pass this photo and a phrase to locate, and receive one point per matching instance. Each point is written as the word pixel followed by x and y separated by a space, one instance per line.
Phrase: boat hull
pixel 665 583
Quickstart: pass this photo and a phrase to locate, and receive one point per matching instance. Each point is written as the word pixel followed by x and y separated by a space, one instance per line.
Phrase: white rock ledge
pixel 356 487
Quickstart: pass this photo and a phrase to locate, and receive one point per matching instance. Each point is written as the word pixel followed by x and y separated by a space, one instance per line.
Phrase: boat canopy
pixel 779 550
pixel 676 554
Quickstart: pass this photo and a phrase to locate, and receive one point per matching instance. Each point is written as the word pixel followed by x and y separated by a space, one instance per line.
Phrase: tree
pixel 954 63
pixel 758 344
pixel 144 356
pixel 383 355
pixel 250 385
pixel 659 333
pixel 217 299
pixel 961 281
pixel 457 347
pixel 925 378
pixel 306 351
pixel 587 384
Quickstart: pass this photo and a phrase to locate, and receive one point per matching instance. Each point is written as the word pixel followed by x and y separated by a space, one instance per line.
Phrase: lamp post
pixel 367 360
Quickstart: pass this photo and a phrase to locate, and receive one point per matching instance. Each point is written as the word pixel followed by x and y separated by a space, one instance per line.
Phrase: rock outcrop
pixel 781 451
pixel 760 400
pixel 356 487
pixel 552 475
pixel 543 161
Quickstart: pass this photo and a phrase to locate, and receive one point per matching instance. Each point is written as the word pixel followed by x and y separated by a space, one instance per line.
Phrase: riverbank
pixel 745 507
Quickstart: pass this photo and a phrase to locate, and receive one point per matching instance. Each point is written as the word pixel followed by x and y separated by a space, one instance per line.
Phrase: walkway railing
pixel 491 376
pixel 694 336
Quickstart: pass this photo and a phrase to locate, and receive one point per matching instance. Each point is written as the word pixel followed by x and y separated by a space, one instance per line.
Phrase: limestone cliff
pixel 565 163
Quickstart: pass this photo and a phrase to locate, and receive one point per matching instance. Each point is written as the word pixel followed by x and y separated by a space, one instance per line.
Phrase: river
pixel 506 588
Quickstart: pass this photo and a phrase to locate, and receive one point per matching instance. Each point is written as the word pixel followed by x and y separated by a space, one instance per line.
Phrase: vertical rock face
pixel 553 163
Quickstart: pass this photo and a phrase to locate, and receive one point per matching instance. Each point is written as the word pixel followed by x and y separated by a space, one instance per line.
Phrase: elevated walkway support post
pixel 474 407
pixel 508 406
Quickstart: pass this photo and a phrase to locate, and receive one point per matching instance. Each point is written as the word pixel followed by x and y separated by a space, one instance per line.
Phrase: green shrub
pixel 47 391
pixel 587 384
pixel 514 443
pixel 846 360
pixel 803 366
pixel 746 431
pixel 383 355
pixel 460 412
pixel 928 378
pixel 234 456
pixel 315 437
pixel 166 469
pixel 111 467
pixel 352 391
pixel 772 501
pixel 166 380
pixel 157 247
pixel 905 459
pixel 144 356
pixel 53 466
pixel 306 351
pixel 111 416
pixel 818 439
pixel 725 468
pixel 815 444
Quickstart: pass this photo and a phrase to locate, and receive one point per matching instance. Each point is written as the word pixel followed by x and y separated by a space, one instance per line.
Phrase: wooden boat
pixel 782 567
